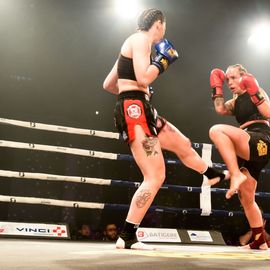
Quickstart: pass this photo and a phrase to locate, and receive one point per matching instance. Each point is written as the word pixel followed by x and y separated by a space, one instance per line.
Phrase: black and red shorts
pixel 259 146
pixel 134 108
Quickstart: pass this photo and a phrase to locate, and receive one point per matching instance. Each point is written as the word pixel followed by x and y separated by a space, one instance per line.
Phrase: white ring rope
pixel 55 177
pixel 45 201
pixel 58 149
pixel 64 129
pixel 207 149
pixel 87 180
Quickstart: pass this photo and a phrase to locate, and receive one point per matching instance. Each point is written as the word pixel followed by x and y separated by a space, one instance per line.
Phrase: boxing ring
pixel 71 255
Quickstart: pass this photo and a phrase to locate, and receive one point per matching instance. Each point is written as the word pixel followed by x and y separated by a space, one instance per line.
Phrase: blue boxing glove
pixel 165 55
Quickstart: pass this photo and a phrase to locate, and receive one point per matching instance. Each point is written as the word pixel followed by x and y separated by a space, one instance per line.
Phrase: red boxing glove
pixel 249 83
pixel 217 78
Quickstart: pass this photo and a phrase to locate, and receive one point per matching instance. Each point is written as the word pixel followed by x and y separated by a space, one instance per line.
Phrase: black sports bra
pixel 245 110
pixel 125 69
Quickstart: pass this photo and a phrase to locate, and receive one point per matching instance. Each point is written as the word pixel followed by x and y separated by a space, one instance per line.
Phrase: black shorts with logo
pixel 259 145
pixel 134 108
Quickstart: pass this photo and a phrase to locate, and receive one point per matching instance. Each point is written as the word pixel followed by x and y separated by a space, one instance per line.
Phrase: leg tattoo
pixel 149 145
pixel 142 198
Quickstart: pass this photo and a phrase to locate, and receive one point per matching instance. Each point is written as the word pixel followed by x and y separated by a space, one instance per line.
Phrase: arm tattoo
pixel 222 106
pixel 149 144
pixel 219 101
pixel 142 198
pixel 229 107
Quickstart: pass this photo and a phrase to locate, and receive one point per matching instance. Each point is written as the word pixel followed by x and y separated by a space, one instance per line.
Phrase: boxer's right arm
pixel 144 71
pixel 217 77
pixel 166 54
pixel 222 107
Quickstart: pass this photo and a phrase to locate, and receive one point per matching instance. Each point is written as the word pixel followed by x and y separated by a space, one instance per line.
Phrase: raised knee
pixel 214 130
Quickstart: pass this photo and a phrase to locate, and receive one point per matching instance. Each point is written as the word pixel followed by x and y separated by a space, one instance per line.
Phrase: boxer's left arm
pixel 110 83
pixel 264 108
pixel 257 95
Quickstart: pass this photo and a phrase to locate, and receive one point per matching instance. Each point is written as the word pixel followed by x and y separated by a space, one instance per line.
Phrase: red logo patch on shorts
pixel 134 111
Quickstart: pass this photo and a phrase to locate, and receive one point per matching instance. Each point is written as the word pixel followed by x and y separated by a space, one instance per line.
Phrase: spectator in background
pixel 84 233
pixel 110 232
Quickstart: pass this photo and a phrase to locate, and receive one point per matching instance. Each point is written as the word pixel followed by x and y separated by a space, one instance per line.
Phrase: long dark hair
pixel 148 17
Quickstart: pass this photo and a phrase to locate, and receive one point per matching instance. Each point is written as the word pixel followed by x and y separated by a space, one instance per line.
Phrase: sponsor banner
pixel 200 236
pixel 158 235
pixel 33 229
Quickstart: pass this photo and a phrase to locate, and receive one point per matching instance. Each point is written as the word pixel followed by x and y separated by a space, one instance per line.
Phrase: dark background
pixel 54 56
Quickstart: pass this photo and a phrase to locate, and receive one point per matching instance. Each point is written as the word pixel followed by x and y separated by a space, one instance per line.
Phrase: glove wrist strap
pixel 257 99
pixel 216 92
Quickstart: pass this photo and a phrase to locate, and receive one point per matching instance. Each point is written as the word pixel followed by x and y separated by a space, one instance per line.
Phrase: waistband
pixel 134 95
pixel 260 126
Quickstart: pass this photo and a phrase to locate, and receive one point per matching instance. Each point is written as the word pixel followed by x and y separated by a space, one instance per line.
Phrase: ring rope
pixel 70 130
pixel 46 201
pixel 58 149
pixel 90 153
pixel 99 181
pixel 92 205
pixel 64 129
pixel 97 133
pixel 108 182
pixel 91 132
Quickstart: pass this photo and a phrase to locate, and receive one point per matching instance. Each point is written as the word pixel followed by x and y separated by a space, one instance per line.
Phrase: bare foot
pixel 236 181
pixel 261 247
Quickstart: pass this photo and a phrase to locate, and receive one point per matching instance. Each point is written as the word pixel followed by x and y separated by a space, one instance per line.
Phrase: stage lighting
pixel 260 37
pixel 127 8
